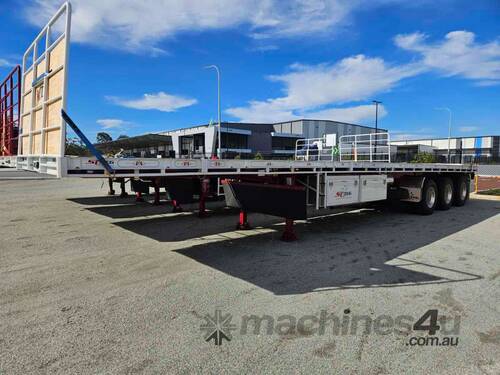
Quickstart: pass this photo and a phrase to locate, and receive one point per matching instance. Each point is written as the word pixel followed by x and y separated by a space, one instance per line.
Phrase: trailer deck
pixel 89 167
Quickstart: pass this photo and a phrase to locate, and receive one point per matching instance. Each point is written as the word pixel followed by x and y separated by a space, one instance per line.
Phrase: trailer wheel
pixel 461 188
pixel 429 199
pixel 445 193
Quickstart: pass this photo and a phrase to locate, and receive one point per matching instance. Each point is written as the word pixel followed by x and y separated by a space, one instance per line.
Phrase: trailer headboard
pixel 42 137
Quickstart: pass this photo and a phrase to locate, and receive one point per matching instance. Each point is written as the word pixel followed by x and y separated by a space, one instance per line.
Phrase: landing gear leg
pixel 243 222
pixel 204 188
pixel 138 197
pixel 289 232
pixel 110 183
pixel 123 192
pixel 156 183
pixel 177 207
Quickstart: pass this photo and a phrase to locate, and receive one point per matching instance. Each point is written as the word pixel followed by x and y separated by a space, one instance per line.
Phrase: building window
pixel 187 145
pixel 199 143
pixel 234 141
pixel 283 143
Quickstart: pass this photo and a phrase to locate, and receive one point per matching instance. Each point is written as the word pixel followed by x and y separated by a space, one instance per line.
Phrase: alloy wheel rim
pixel 448 193
pixel 463 191
pixel 431 197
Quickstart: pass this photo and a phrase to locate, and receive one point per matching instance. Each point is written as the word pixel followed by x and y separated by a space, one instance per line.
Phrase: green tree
pixel 424 157
pixel 75 147
pixel 123 136
pixel 258 156
pixel 103 137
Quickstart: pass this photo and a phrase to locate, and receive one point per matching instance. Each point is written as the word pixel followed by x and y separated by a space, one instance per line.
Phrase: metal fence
pixel 488 170
pixel 311 149
pixel 365 147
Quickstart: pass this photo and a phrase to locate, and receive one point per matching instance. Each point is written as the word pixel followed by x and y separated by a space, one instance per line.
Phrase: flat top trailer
pixel 324 173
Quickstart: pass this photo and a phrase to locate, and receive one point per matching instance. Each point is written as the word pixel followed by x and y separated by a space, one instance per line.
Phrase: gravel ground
pixel 97 284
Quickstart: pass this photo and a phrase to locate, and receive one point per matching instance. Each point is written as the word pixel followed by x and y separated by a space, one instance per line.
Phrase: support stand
pixel 204 189
pixel 156 185
pixel 111 190
pixel 177 207
pixel 289 232
pixel 138 197
pixel 243 222
pixel 123 193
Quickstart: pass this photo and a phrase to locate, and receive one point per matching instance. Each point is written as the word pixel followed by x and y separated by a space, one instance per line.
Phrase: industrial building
pixel 278 141
pixel 245 140
pixel 480 149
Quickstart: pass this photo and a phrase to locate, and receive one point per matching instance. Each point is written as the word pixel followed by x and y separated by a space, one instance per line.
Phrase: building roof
pixel 444 138
pixel 335 121
pixel 224 123
pixel 135 142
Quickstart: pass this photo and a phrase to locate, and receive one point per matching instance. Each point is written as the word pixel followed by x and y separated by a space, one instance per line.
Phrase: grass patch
pixel 495 192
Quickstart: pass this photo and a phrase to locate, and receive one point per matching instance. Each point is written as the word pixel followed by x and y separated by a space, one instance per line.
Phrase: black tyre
pixel 429 199
pixel 445 193
pixel 461 190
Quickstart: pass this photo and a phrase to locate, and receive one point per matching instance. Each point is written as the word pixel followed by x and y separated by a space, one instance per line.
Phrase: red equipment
pixel 10 112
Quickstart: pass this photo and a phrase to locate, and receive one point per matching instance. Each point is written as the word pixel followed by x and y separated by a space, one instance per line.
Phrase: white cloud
pixel 308 89
pixel 351 79
pixel 355 114
pixel 264 48
pixel 468 129
pixel 457 55
pixel 4 63
pixel 112 123
pixel 160 101
pixel 410 136
pixel 261 112
pixel 139 25
pixel 299 17
pixel 406 134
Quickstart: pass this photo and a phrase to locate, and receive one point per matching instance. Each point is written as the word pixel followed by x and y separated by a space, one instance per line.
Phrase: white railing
pixel 312 149
pixel 373 147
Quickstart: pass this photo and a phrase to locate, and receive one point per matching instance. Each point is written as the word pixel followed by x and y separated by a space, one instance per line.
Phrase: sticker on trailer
pixel 184 163
pixel 341 190
pixel 216 164
pixel 137 163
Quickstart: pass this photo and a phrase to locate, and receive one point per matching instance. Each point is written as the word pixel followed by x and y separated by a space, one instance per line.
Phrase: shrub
pixel 76 147
pixel 424 157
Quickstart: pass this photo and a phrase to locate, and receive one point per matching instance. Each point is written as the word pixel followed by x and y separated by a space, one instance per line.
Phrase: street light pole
pixel 219 150
pixel 376 102
pixel 449 128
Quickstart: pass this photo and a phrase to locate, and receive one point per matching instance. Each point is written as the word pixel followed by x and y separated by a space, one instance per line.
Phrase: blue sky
pixel 137 67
